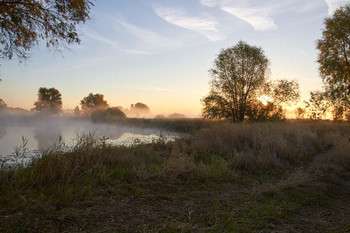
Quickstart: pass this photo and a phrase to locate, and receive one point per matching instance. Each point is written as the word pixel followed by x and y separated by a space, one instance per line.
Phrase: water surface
pixel 42 134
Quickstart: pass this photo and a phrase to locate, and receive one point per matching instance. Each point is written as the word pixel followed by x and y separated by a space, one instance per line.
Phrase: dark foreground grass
pixel 266 177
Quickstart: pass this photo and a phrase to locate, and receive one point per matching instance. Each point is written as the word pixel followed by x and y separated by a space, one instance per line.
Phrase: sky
pixel 158 52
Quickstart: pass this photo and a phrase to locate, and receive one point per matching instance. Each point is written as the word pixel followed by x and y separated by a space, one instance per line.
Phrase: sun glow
pixel 265 99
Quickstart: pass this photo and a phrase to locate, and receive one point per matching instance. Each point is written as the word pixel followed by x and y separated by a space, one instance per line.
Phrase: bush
pixel 109 114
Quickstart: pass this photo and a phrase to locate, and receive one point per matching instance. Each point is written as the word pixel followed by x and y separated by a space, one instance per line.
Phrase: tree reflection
pixel 46 135
pixel 2 131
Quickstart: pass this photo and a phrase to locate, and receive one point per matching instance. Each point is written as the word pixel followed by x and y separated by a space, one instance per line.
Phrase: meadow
pixel 290 176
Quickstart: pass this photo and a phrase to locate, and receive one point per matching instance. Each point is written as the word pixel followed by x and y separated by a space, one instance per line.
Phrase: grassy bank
pixel 186 125
pixel 263 177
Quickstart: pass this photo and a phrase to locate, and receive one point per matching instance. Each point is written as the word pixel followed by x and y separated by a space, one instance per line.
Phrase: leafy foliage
pixel 139 110
pixel 277 94
pixel 285 92
pixel 140 106
pixel 317 105
pixel 93 101
pixel 109 114
pixel 238 84
pixel 300 112
pixel 24 23
pixel 237 73
pixel 334 60
pixel 258 111
pixel 49 100
pixel 216 106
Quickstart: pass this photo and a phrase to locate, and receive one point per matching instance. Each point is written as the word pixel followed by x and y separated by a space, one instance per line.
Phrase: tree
pixel 139 110
pixel 273 97
pixel 176 116
pixel 26 22
pixel 334 60
pixel 77 111
pixel 49 100
pixel 114 113
pixel 285 92
pixel 3 105
pixel 237 73
pixel 159 116
pixel 299 112
pixel 317 105
pixel 140 106
pixel 109 114
pixel 92 102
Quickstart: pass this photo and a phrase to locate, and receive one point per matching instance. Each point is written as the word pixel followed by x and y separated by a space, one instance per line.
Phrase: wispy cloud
pixel 203 25
pixel 99 37
pixel 150 39
pixel 258 18
pixel 304 53
pixel 113 43
pixel 334 4
pixel 209 3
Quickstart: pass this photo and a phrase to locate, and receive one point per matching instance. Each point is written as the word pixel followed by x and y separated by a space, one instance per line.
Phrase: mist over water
pixel 42 132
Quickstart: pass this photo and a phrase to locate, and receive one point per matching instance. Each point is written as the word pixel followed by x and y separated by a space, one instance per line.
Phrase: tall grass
pixel 218 152
pixel 293 161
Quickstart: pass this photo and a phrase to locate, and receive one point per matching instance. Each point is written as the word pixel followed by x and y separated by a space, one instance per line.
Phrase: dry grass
pixel 261 177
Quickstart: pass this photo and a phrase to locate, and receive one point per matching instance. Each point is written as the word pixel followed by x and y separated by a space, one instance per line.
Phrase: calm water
pixel 43 134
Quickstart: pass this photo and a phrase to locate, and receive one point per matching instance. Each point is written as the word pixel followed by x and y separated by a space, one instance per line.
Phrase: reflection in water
pixel 2 131
pixel 46 135
pixel 99 130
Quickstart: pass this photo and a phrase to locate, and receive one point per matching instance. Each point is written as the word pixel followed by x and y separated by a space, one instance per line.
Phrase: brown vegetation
pixel 261 177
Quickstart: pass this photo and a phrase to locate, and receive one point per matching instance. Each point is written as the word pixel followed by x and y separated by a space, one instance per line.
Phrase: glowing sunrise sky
pixel 159 51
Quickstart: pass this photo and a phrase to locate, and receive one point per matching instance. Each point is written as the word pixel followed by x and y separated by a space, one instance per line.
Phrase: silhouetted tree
pixel 25 22
pixel 300 112
pixel 109 114
pixel 176 116
pixel 334 61
pixel 93 101
pixel 285 92
pixel 49 100
pixel 273 97
pixel 140 106
pixel 237 74
pixel 140 110
pixel 317 105
pixel 114 113
pixel 159 116
pixel 77 111
pixel 3 105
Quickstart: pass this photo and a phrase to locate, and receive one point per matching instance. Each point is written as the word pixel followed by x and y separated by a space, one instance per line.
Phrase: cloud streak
pixel 151 39
pixel 202 25
pixel 112 43
pixel 209 3
pixel 258 18
pixel 304 53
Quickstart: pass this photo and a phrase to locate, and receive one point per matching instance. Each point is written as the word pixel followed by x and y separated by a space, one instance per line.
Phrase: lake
pixel 42 134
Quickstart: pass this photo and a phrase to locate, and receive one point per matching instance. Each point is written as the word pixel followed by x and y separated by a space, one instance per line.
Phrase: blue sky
pixel 159 51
